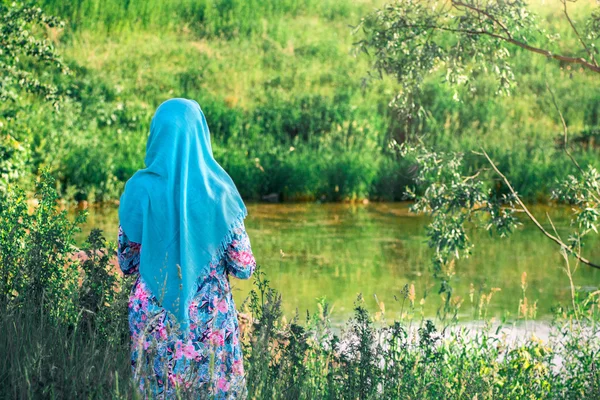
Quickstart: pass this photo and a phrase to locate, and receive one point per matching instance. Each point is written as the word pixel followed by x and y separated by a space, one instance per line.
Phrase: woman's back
pixel 182 231
pixel 213 341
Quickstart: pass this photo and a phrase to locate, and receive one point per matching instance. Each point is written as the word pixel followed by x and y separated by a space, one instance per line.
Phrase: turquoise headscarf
pixel 181 208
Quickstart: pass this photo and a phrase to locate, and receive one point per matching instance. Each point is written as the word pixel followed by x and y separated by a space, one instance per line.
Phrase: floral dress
pixel 208 361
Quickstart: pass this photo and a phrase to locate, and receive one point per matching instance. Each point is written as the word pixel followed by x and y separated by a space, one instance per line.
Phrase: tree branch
pixel 565 136
pixel 565 129
pixel 535 221
pixel 486 14
pixel 567 59
pixel 591 54
pixel 592 66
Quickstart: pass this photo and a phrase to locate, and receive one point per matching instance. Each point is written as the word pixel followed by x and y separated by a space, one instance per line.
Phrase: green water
pixel 339 250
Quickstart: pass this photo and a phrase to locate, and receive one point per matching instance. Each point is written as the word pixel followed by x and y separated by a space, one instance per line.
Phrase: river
pixel 337 251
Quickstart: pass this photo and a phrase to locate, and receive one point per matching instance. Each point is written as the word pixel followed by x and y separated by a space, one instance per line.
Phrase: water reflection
pixel 337 251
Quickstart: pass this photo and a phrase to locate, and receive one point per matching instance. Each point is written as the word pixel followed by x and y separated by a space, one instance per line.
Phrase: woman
pixel 181 228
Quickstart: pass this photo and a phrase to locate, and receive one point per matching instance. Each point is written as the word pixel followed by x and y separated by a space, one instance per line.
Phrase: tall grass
pixel 221 18
pixel 51 351
pixel 275 76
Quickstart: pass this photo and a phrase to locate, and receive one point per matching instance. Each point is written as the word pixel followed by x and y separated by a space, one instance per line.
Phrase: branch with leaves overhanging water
pixel 570 248
pixel 410 39
pixel 453 200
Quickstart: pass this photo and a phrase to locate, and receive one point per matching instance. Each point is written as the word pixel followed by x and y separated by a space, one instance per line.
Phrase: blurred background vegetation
pixel 292 108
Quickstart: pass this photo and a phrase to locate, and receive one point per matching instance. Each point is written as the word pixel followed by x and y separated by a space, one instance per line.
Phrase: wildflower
pixel 471 292
pixel 523 307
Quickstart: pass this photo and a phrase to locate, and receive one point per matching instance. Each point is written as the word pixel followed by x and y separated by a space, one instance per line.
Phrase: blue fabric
pixel 181 208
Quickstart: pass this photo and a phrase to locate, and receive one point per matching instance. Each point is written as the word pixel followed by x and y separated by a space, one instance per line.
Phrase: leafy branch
pixel 411 39
pixel 20 43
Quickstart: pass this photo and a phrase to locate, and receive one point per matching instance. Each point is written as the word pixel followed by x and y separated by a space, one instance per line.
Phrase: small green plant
pixel 35 253
pixel 101 286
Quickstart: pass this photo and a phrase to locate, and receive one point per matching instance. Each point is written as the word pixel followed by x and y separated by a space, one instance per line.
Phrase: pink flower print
pixel 193 311
pixel 243 257
pixel 178 350
pixel 141 295
pixel 162 330
pixel 238 367
pixel 189 351
pixel 140 292
pixel 216 338
pixel 223 385
pixel 223 307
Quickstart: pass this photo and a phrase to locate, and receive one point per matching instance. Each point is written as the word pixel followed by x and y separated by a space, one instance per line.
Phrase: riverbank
pixel 336 251
pixel 293 112
pixel 306 358
pixel 68 335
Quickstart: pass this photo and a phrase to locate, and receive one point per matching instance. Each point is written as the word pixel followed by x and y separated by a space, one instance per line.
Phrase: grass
pixel 66 333
pixel 283 94
pixel 307 359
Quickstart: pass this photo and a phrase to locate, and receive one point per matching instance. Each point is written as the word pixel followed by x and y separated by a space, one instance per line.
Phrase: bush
pixel 62 319
pixel 66 334
pixel 35 251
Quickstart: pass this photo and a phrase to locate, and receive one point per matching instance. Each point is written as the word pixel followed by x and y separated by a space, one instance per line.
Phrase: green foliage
pixel 583 191
pixel 13 158
pixel 272 76
pixel 26 60
pixel 21 48
pixel 62 319
pixel 35 253
pixel 47 354
pixel 453 200
pixel 370 359
pixel 98 290
pixel 222 18
pixel 414 39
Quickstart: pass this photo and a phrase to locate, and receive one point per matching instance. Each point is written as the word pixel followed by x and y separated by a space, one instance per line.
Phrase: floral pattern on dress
pixel 209 360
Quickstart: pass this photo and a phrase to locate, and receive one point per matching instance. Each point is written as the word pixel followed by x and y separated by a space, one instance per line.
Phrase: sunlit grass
pixel 284 75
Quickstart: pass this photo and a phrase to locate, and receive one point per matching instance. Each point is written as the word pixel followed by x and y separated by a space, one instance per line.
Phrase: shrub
pixel 35 252
pixel 67 334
